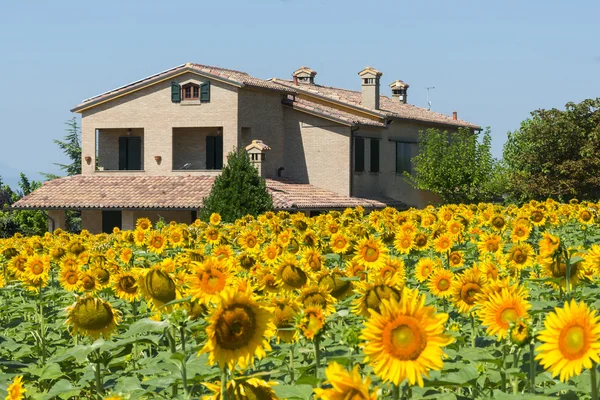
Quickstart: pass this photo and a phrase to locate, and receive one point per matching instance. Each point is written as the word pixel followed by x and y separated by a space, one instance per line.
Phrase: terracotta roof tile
pixel 306 105
pixel 388 107
pixel 175 192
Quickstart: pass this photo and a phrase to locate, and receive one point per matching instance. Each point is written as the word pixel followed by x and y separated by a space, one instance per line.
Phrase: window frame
pixel 356 155
pixel 407 147
pixel 193 89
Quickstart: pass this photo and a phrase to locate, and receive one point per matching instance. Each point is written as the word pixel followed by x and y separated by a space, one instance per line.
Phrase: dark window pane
pixel 359 154
pixel 374 155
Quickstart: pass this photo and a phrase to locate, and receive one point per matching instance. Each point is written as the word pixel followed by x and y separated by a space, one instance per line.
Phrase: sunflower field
pixel 461 301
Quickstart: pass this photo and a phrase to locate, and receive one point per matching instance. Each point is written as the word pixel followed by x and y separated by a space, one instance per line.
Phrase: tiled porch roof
pixel 176 192
pixel 310 107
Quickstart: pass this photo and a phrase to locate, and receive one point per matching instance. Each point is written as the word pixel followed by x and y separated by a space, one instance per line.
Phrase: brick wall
pixel 317 151
pixel 152 110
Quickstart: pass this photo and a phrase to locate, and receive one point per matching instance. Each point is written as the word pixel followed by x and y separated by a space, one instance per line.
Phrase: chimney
pixel 256 152
pixel 399 91
pixel 304 75
pixel 370 87
pixel 454 115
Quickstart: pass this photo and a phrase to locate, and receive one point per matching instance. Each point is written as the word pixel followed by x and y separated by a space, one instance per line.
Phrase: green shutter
pixel 210 152
pixel 175 92
pixel 374 155
pixel 205 92
pixel 134 153
pixel 359 154
pixel 219 152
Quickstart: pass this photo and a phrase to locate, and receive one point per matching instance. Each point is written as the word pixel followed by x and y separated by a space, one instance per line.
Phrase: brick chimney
pixel 454 115
pixel 370 87
pixel 304 75
pixel 399 91
pixel 256 152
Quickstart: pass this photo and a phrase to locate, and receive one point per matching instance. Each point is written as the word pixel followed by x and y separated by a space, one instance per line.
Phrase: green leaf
pixel 63 388
pixel 298 391
pixel 51 371
pixel 146 325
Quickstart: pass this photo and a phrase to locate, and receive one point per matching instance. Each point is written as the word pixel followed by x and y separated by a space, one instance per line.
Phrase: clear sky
pixel 492 61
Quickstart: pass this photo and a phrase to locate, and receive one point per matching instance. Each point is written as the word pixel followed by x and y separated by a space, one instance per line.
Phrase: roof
pixel 176 192
pixel 237 78
pixel 387 106
pixel 346 118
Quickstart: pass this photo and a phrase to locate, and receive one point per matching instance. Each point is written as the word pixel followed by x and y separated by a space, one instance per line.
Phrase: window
pixel 405 152
pixel 369 81
pixel 111 219
pixel 191 91
pixel 214 152
pixel 130 153
pixel 374 155
pixel 359 154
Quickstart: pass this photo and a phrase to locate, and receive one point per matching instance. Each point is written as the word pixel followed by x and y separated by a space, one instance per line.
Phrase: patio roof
pixel 177 193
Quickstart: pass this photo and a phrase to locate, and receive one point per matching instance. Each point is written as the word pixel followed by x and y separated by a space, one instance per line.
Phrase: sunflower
pixel 317 296
pixel 336 281
pixel 520 332
pixel 394 268
pixel 158 287
pixel 16 389
pixel 440 282
pixel 570 340
pixel 556 267
pixel 537 217
pixel 271 253
pixel 520 256
pixel 425 267
pixel 139 237
pixel 421 241
pixel 339 243
pixel 125 286
pixel 284 317
pixel 313 259
pixel 176 237
pixel 455 228
pixel 92 317
pixel 68 277
pixel 585 216
pixel 215 219
pixel 548 244
pixel 503 309
pixel 466 288
pixel 156 242
pixel 456 259
pixel 443 243
pixel 17 264
pixel 243 389
pixel 405 340
pixel 239 329
pixel 143 224
pixel 490 243
pixel 125 255
pixel 223 252
pixel 404 243
pixel 212 235
pixel 346 385
pixel 207 280
pixel 520 232
pixel 88 282
pixel 36 271
pixel 289 275
pixel 266 280
pixel 312 322
pixel 371 294
pixel 371 253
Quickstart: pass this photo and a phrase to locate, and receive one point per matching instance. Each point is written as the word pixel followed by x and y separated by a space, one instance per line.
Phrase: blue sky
pixel 493 62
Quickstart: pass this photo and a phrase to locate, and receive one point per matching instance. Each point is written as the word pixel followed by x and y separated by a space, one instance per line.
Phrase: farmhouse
pixel 153 147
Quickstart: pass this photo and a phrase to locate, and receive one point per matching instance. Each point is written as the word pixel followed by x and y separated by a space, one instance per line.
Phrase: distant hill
pixel 11 176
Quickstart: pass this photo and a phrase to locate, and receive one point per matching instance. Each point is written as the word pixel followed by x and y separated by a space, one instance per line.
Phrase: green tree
pixel 238 191
pixel 456 166
pixel 554 154
pixel 27 222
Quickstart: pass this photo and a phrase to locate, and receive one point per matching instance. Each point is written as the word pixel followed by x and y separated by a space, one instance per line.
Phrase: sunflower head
pixel 92 317
pixel 158 286
pixel 346 385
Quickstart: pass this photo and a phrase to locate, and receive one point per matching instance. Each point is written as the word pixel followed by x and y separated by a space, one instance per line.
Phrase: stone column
pixel 57 219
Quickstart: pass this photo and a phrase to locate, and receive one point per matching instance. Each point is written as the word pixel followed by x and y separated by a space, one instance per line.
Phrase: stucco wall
pixel 262 112
pixel 167 216
pixel 317 151
pixel 151 109
pixel 91 220
pixel 189 146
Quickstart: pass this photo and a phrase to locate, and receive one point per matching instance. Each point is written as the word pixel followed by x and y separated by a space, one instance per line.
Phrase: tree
pixel 554 154
pixel 71 146
pixel 27 222
pixel 456 166
pixel 238 191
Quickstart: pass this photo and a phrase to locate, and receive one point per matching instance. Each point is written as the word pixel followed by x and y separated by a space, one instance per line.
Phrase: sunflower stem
pixel 317 342
pixel 396 392
pixel 98 374
pixel 173 348
pixel 224 394
pixel 515 380
pixel 503 372
pixel 594 382
pixel 473 334
pixel 531 367
pixel 183 366
pixel 567 276
pixel 42 333
pixel 292 378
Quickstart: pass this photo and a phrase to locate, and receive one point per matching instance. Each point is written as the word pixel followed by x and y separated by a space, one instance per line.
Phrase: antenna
pixel 428 101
